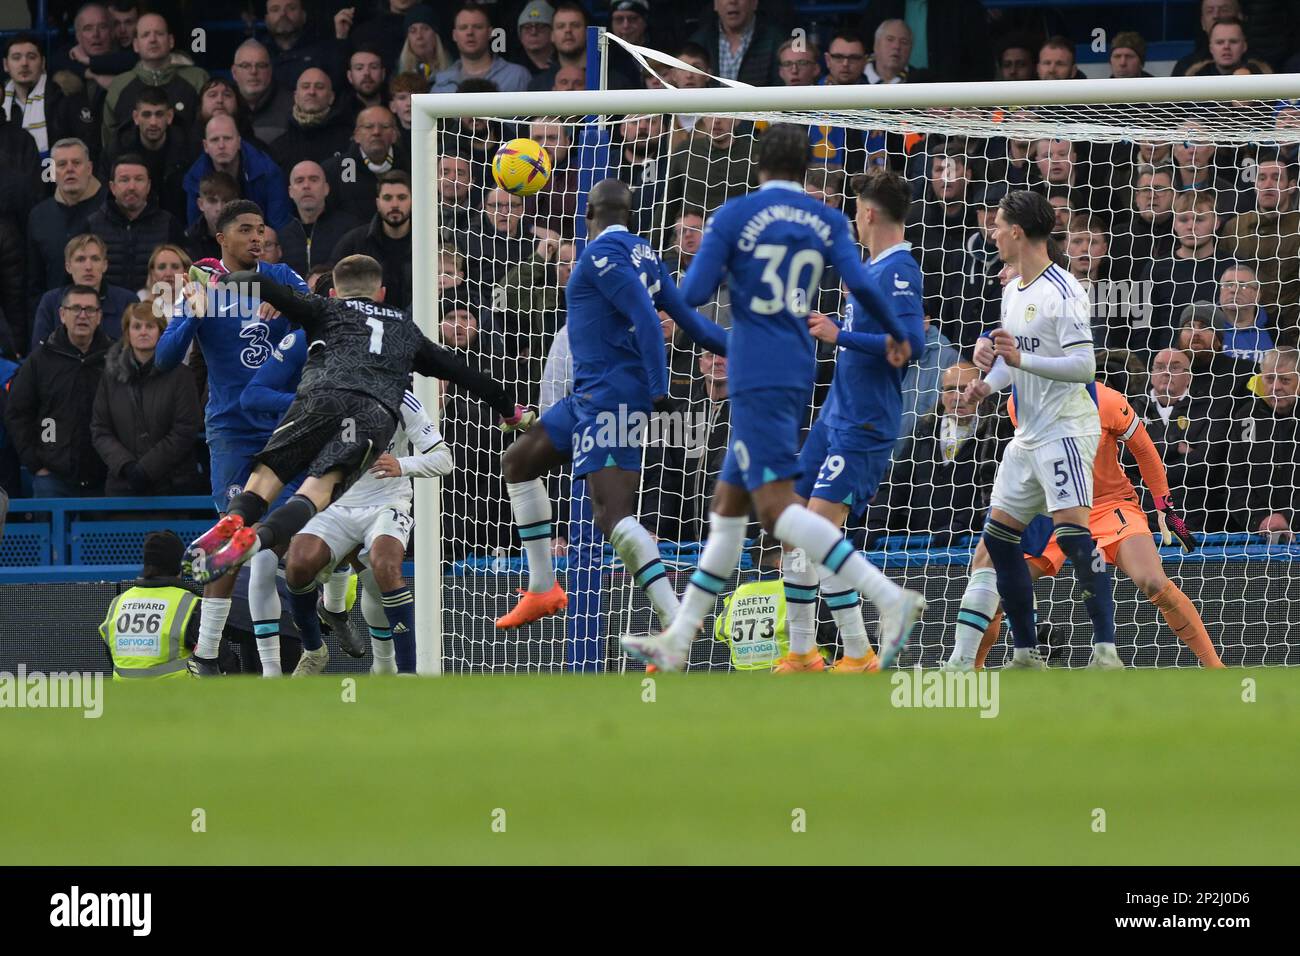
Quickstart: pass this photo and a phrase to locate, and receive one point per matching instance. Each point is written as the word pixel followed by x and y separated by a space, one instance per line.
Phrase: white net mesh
pixel 1180 219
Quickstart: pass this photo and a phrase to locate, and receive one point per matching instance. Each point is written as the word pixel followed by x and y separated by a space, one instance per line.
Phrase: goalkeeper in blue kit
pixel 773 245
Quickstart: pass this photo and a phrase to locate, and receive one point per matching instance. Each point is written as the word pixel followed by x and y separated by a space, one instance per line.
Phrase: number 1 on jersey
pixel 376 335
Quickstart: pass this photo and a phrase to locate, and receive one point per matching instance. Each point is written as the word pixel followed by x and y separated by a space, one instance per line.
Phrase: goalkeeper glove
pixel 1172 524
pixel 520 421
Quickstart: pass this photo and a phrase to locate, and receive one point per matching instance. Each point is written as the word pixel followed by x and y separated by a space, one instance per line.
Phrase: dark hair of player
pixel 783 152
pixel 236 208
pixel 886 190
pixel 1030 211
pixel 358 272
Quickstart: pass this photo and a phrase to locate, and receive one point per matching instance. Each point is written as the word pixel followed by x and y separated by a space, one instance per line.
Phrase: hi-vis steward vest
pixel 145 632
pixel 752 623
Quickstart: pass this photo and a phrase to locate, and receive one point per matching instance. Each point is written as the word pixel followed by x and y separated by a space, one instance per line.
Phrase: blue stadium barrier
pixel 68 539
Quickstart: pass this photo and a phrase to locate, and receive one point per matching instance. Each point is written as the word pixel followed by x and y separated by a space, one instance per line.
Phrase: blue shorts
pixel 841 466
pixel 595 438
pixel 232 463
pixel 1033 540
pixel 764 446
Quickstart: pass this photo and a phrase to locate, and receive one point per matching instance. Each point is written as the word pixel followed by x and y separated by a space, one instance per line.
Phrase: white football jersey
pixel 1049 316
pixel 414 428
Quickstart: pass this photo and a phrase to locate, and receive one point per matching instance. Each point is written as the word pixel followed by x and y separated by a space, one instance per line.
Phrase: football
pixel 521 167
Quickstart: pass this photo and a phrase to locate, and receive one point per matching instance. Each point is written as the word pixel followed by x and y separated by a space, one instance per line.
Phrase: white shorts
pixel 1054 476
pixel 342 529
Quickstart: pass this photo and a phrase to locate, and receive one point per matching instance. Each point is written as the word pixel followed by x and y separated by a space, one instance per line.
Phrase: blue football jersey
pixel 772 245
pixel 234 349
pixel 614 331
pixel 867 392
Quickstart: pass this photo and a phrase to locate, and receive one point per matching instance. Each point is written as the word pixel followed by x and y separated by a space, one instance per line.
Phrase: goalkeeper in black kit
pixel 347 406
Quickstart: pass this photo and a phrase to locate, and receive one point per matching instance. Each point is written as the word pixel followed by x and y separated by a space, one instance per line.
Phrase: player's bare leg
pixel 308 556
pixel 1138 558
pixel 801 588
pixel 522 466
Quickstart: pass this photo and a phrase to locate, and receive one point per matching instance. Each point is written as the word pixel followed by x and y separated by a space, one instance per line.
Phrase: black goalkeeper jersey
pixel 359 345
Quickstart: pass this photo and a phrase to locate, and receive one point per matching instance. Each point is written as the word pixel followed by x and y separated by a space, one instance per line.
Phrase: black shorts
pixel 328 431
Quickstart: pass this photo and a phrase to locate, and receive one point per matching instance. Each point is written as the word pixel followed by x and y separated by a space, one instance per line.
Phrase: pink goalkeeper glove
pixel 520 421
pixel 1172 525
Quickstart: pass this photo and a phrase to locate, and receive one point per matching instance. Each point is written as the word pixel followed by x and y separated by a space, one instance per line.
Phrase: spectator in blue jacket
pixel 259 178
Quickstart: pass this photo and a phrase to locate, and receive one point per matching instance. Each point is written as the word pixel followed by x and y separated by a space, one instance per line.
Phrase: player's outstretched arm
pixel 434 361
pixel 704 274
pixel 697 328
pixel 271 390
pixel 302 309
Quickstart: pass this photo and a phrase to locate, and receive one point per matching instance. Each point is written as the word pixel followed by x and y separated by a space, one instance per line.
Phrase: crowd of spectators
pixel 121 146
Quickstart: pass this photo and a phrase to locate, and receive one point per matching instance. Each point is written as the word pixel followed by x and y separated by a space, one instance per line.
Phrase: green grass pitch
pixel 714 770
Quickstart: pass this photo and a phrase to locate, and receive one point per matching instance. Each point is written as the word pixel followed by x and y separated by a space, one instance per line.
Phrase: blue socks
pixel 303 606
pixel 1014 583
pixel 1093 579
pixel 399 605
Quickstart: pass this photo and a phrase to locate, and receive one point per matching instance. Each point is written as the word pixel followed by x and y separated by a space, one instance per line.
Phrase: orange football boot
pixel 533 606
pixel 857 665
pixel 793 663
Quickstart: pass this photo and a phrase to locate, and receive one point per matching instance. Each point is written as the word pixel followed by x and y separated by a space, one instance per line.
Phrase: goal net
pixel 1176 209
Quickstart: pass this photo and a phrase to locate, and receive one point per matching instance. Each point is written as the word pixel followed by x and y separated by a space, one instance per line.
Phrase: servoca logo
pixel 76 909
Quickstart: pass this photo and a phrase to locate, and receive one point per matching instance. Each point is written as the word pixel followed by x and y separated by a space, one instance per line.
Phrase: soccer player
pixel 849 447
pixel 271 392
pixel 620 377
pixel 374 515
pixel 347 407
pixel 1120 526
pixel 235 344
pixel 1043 349
pixel 773 244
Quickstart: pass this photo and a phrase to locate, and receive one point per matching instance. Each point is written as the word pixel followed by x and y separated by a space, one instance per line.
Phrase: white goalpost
pixel 960 143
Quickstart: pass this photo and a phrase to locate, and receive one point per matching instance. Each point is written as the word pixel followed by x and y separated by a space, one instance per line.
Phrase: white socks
pixel 825 544
pixel 264 607
pixel 381 635
pixel 717 563
pixel 336 591
pixel 978 605
pixel 640 555
pixel 800 578
pixel 532 509
pixel 212 621
pixel 846 609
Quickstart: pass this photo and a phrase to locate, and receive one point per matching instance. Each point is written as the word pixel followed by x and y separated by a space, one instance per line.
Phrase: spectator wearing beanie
pixel 1128 56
